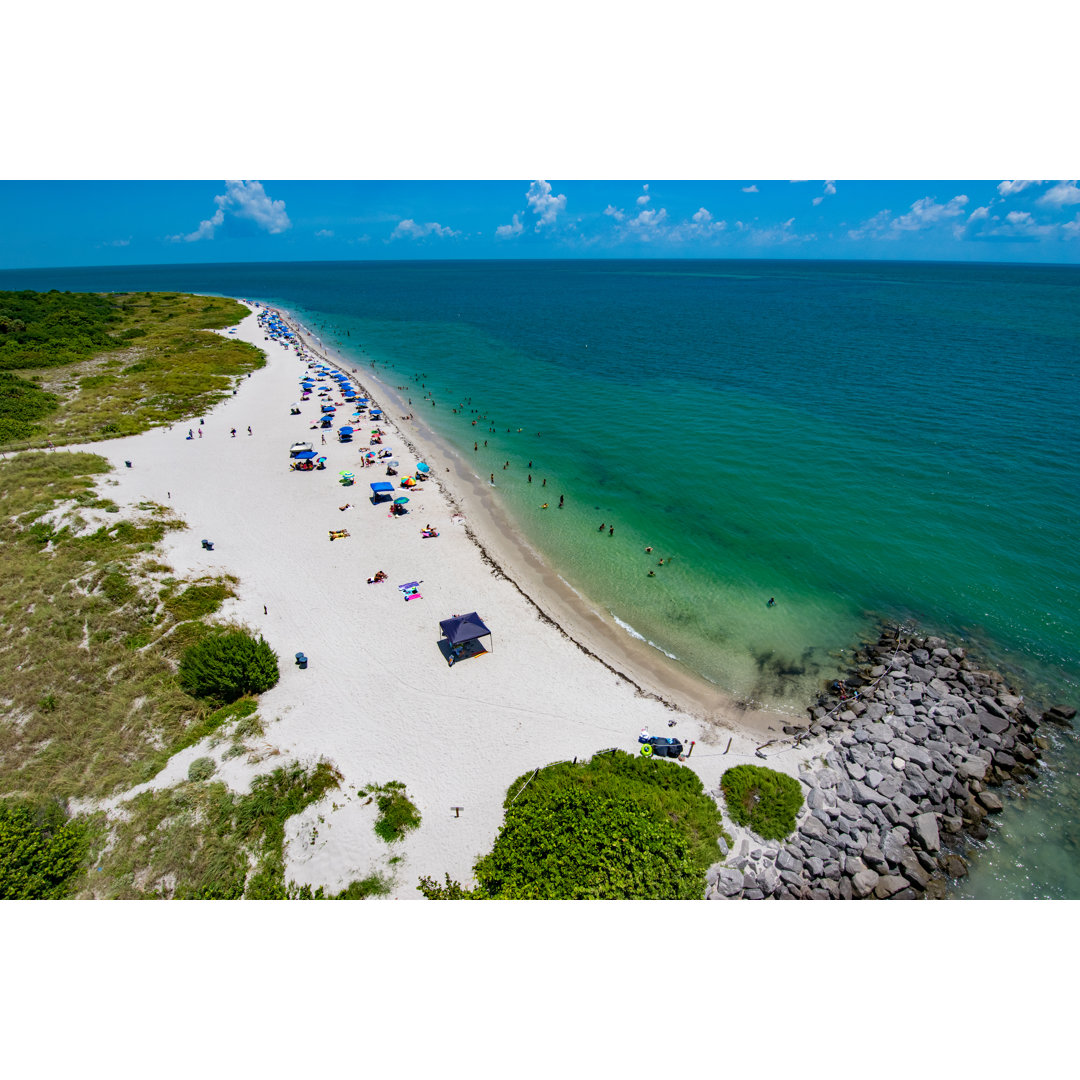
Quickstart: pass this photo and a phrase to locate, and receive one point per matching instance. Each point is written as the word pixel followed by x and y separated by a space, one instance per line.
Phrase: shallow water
pixel 854 440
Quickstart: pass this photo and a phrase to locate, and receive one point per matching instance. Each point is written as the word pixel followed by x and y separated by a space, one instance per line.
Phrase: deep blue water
pixel 855 439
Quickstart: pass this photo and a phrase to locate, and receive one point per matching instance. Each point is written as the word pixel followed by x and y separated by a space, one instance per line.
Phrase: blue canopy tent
pixel 305 455
pixel 462 629
pixel 381 488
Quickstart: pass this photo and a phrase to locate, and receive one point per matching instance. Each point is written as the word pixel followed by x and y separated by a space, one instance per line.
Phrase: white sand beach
pixel 378 699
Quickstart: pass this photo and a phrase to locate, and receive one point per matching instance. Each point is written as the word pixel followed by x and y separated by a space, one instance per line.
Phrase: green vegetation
pixel 50 329
pixel 199 600
pixel 101 366
pixel 616 827
pixel 372 885
pixel 198 840
pixel 40 850
pixel 227 664
pixel 397 815
pixel 22 405
pixel 201 769
pixel 762 799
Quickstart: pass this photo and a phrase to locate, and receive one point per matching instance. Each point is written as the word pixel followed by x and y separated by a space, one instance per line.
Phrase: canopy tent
pixel 382 488
pixel 464 628
pixel 305 455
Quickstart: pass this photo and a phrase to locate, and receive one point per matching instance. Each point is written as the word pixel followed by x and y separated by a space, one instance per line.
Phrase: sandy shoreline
pixel 378 699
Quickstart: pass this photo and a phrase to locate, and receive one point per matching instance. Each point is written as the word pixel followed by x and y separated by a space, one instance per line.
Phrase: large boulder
pixel 990 801
pixel 889 885
pixel 729 881
pixel 863 883
pixel 926 829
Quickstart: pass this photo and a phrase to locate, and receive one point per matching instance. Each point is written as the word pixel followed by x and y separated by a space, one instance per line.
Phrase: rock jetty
pixel 907 751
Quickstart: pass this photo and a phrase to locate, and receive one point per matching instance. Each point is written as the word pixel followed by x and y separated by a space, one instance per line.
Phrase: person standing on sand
pixel 234 433
pixel 249 429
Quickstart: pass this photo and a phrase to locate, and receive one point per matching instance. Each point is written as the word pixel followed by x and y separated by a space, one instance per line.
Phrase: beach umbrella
pixel 399 501
pixel 421 467
pixel 392 464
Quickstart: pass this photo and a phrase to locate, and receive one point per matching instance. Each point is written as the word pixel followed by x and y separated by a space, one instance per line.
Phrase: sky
pixel 112 223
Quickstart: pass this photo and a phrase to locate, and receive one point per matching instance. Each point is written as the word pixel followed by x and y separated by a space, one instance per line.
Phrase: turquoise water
pixel 853 439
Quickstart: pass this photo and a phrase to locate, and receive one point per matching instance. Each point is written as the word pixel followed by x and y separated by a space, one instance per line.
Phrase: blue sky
pixel 91 223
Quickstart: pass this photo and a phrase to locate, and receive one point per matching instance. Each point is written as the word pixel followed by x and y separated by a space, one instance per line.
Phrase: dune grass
pixel 88 645
pixel 199 841
pixel 129 362
pixel 397 814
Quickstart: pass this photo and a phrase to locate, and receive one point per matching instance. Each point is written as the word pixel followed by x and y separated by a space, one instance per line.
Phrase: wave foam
pixel 641 637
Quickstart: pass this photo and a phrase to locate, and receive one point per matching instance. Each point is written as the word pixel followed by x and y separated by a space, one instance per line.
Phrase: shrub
pixel 397 815
pixel 617 827
pixel 201 769
pixel 227 665
pixel 40 850
pixel 762 799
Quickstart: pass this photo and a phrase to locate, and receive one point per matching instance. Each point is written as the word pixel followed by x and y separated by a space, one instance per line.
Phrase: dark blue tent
pixel 463 628
pixel 305 455
pixel 382 488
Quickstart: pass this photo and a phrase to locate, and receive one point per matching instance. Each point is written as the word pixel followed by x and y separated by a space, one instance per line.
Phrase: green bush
pixel 762 799
pixel 227 665
pixel 397 815
pixel 201 769
pixel 619 827
pixel 40 850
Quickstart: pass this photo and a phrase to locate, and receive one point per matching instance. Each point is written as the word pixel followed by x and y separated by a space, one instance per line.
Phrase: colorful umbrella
pixel 401 500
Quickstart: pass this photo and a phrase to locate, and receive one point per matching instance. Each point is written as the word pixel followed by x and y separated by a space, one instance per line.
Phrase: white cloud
pixel 829 188
pixel 927 212
pixel 545 205
pixel 649 223
pixel 408 227
pixel 1071 229
pixel 247 200
pixel 701 226
pixel 643 200
pixel 118 243
pixel 1063 194
pixel 874 226
pixel 611 211
pixel 1014 187
pixel 980 213
pixel 515 228
pixel 325 232
pixel 752 188
pixel 702 217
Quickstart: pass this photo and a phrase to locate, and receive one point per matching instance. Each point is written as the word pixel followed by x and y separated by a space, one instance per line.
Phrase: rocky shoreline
pixel 913 741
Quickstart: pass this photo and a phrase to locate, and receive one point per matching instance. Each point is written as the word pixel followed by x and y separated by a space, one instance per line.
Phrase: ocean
pixel 856 441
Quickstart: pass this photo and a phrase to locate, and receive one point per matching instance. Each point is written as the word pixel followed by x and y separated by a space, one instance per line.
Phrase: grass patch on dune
pixel 397 814
pixel 618 827
pixel 100 366
pixel 199 841
pixel 88 649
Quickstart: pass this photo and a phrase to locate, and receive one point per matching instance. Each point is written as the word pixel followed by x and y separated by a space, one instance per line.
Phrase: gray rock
pixel 753 894
pixel 844 890
pixel 791 879
pixel 991 723
pixel 889 885
pixel 873 778
pixel 874 857
pixel 786 861
pixel 990 801
pixel 973 769
pixel 816 847
pixel 768 881
pixel 889 788
pixel 879 732
pixel 904 805
pixel 864 795
pixel 843 790
pixel 723 845
pixel 853 865
pixel 729 881
pixel 864 883
pixel 926 829
pixel 856 771
pixel 814 828
pixel 815 867
pixel 920 756
pixel 917 732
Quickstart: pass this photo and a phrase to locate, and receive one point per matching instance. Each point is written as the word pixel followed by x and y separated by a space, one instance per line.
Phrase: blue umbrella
pixel 422 467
